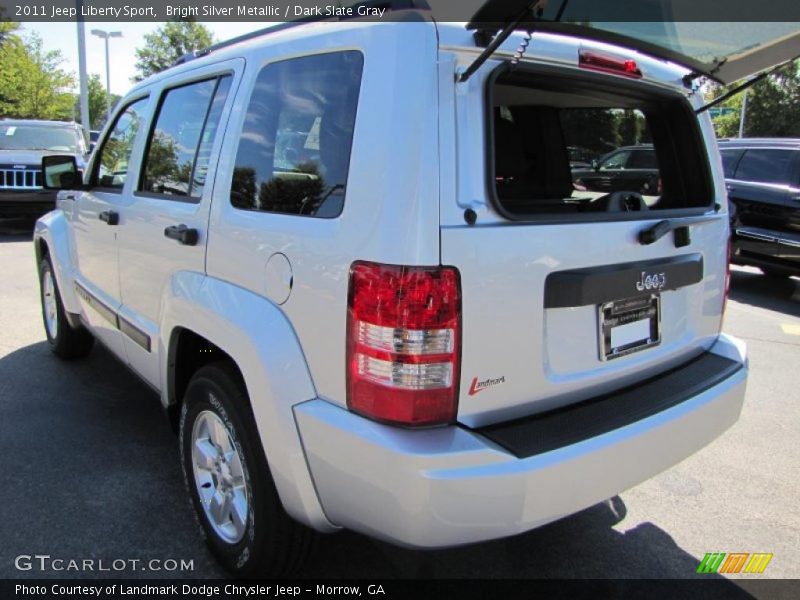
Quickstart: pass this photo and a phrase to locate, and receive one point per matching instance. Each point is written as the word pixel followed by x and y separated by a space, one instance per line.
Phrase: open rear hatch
pixel 673 30
pixel 604 262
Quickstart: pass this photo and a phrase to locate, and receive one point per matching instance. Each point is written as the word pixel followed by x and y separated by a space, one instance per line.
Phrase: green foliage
pixel 168 43
pixel 32 83
pixel 773 106
pixel 97 102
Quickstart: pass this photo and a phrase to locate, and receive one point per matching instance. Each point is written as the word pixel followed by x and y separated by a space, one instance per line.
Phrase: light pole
pixel 105 35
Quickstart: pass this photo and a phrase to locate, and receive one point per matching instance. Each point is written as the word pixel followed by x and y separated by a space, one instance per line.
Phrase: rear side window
pixel 730 158
pixel 637 150
pixel 115 153
pixel 294 152
pixel 178 150
pixel 765 166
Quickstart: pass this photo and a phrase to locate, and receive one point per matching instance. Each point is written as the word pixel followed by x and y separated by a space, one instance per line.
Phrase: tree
pixel 32 83
pixel 773 106
pixel 168 43
pixel 97 102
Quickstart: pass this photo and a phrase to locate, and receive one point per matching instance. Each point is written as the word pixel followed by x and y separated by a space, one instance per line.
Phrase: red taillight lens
pixel 403 343
pixel 609 64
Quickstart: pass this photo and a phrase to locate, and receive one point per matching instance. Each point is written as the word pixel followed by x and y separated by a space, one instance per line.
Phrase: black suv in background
pixel 628 168
pixel 22 145
pixel 763 180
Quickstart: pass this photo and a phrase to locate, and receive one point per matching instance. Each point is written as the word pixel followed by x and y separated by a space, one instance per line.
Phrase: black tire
pixel 776 273
pixel 65 341
pixel 272 544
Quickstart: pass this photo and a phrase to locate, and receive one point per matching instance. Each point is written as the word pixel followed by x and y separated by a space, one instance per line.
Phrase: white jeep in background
pixel 352 261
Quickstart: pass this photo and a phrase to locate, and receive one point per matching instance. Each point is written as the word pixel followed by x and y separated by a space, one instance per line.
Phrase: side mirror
pixel 61 173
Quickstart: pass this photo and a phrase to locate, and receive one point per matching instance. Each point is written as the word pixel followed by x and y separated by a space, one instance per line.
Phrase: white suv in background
pixel 352 262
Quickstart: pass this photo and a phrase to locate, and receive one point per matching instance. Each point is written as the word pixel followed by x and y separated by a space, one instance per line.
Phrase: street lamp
pixel 105 35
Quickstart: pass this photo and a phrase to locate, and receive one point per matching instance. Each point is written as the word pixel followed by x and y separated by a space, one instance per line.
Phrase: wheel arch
pixel 215 320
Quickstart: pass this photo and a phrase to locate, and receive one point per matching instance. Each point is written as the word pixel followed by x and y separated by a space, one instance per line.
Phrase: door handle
pixel 182 234
pixel 109 217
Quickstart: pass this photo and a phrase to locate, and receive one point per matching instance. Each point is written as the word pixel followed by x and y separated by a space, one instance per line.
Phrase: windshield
pixel 36 137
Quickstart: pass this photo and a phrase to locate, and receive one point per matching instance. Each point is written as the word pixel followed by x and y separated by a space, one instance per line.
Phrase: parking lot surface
pixel 90 469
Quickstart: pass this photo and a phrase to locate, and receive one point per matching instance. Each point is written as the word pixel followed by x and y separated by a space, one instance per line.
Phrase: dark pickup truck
pixel 23 143
pixel 763 180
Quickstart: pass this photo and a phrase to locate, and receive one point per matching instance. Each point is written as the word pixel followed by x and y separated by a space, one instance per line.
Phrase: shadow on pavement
pixel 95 474
pixel 773 293
pixel 16 230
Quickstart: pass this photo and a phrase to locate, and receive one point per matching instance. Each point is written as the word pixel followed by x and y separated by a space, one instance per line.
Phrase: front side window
pixel 115 153
pixel 176 161
pixel 294 152
pixel 765 166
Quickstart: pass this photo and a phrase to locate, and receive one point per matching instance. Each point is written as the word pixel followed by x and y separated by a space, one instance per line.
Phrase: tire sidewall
pixel 46 266
pixel 209 393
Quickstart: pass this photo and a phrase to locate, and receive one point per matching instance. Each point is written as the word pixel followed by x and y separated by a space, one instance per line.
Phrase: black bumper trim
pixel 577 422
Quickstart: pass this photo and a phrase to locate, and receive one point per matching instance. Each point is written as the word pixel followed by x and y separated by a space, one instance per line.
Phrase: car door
pixel 789 235
pixel 94 215
pixel 759 189
pixel 163 230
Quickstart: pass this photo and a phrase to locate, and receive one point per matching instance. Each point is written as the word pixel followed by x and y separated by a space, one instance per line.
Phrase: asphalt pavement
pixel 90 470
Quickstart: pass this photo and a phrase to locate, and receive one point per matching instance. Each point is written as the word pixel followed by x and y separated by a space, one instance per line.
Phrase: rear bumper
pixel 450 486
pixel 26 204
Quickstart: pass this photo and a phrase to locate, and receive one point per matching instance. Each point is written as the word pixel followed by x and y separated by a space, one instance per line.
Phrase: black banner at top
pixel 569 11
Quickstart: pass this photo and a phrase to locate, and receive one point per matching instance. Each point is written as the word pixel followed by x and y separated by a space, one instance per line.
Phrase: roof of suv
pixel 759 142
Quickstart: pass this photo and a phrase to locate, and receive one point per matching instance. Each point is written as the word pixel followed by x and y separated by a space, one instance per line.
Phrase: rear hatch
pixel 569 291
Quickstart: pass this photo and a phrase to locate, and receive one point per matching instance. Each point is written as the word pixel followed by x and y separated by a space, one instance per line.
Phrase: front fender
pixel 53 230
pixel 259 338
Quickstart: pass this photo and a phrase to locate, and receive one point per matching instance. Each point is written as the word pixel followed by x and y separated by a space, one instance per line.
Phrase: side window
pixel 643 159
pixel 765 165
pixel 294 152
pixel 176 159
pixel 615 161
pixel 115 153
pixel 729 160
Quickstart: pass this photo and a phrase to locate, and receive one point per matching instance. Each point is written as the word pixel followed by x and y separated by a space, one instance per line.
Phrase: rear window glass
pixel 765 166
pixel 294 152
pixel 575 148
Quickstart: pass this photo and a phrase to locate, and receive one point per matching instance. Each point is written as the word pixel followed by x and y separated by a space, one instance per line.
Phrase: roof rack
pixel 390 5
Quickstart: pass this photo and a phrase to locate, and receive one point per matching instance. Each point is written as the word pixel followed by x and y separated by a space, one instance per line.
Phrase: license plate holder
pixel 629 325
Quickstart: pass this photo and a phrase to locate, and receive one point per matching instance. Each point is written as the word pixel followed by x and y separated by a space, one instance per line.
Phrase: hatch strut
pixel 533 9
pixel 742 87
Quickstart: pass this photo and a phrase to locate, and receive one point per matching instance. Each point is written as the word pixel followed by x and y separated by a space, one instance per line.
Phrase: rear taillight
pixel 609 64
pixel 403 343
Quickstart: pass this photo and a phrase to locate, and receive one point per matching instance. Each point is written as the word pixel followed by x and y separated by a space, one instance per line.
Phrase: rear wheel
pixel 65 340
pixel 228 479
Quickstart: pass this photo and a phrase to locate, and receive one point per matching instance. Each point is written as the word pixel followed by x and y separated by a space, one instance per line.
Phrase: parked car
pixel 23 143
pixel 408 325
pixel 763 180
pixel 628 168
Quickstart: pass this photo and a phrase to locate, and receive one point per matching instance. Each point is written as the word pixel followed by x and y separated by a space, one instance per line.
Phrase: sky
pixel 64 37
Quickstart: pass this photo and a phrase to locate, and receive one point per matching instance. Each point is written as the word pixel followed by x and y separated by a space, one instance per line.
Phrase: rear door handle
pixel 182 234
pixel 109 217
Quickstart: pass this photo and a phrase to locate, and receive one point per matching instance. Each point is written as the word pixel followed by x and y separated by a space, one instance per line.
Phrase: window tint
pixel 116 151
pixel 643 159
pixel 765 165
pixel 729 160
pixel 294 153
pixel 176 161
